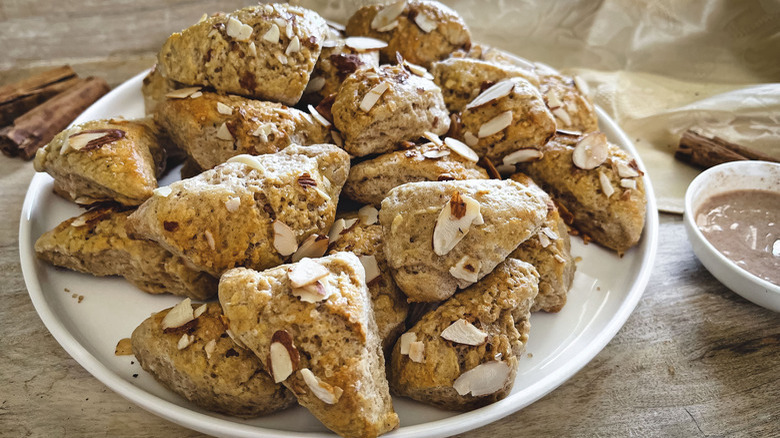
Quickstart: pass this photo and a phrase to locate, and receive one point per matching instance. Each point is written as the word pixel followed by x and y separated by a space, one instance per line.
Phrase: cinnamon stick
pixel 705 152
pixel 20 97
pixel 39 125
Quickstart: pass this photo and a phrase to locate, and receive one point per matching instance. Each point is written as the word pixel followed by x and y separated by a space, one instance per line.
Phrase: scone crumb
pixel 464 332
pixel 284 239
pixel 124 347
pixel 233 204
pixel 327 393
pixel 483 379
pixel 417 351
pixel 591 151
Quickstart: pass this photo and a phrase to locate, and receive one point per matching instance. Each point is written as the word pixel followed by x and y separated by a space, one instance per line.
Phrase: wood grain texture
pixel 694 359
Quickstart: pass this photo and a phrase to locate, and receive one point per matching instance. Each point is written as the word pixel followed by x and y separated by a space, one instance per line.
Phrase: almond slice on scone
pixel 339 369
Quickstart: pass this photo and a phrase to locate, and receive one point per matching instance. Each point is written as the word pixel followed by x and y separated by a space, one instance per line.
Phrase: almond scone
pixel 597 183
pixel 104 160
pixel 265 51
pixel 363 237
pixel 421 31
pixel 370 181
pixel 464 354
pixel 312 325
pixel 376 110
pixel 251 211
pixel 212 128
pixel 505 118
pixel 550 253
pixel 463 79
pixel 187 349
pixel 441 236
pixel 96 243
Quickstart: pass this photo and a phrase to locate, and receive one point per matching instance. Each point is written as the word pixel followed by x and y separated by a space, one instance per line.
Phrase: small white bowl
pixel 727 177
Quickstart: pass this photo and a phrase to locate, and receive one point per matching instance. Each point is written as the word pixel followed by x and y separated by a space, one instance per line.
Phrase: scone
pixel 194 357
pixel 104 160
pixel 337 61
pixel 312 325
pixel 154 87
pixel 370 181
pixel 464 354
pixel 421 31
pixel 567 98
pixel 96 243
pixel 212 128
pixel 463 79
pixel 364 239
pixel 441 236
pixel 550 253
pixel 597 183
pixel 266 52
pixel 505 118
pixel 252 211
pixel 378 109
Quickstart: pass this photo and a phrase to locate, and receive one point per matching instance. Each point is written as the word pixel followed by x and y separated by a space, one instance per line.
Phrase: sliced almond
pixel 79 141
pixel 203 17
pixel 464 332
pixel 199 310
pixel 314 247
pixel 471 139
pixel 606 185
pixel 248 160
pixel 435 153
pixel 387 15
pixel 581 85
pixel 461 149
pixel 335 230
pixel 627 183
pixel 179 315
pixel 181 93
pixel 283 357
pixel 406 341
pixel 293 47
pixel 417 351
pixel 210 347
pixel 315 84
pixel 389 27
pixel 364 44
pixel 497 91
pixel 435 139
pixel 210 240
pixel 425 23
pixel 281 58
pixel 626 171
pixel 562 115
pixel 238 30
pixel 543 239
pixel 523 156
pixel 337 140
pixel 327 393
pixel 306 272
pixel 553 101
pixel 452 228
pixel 235 339
pixel 371 267
pixel 163 191
pixel 224 109
pixel 272 36
pixel 368 215
pixel 495 125
pixel 185 341
pixel 549 233
pixel 196 95
pixel 318 117
pixel 312 293
pixel 467 270
pixel 506 169
pixel 590 151
pixel 483 379
pixel 252 49
pixel 263 131
pixel 223 133
pixel 232 204
pixel 284 239
pixel 373 95
pixel 289 31
pixel 418 70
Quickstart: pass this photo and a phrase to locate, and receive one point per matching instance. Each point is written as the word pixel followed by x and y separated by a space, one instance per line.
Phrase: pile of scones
pixel 462 171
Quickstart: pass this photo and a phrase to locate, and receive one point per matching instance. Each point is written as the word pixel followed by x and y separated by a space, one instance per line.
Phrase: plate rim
pixel 439 428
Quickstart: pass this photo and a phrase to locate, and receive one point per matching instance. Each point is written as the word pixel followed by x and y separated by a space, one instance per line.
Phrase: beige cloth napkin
pixel 658 67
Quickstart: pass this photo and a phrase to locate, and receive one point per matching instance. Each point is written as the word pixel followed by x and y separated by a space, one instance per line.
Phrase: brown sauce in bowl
pixel 744 225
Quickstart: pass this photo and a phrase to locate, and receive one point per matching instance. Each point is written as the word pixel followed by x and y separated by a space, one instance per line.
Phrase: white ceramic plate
pixel 606 289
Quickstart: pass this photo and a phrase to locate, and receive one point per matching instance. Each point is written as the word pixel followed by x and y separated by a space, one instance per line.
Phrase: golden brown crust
pixel 96 243
pixel 205 54
pixel 336 339
pixel 489 305
pixel 221 377
pixel 122 166
pixel 408 38
pixel 254 127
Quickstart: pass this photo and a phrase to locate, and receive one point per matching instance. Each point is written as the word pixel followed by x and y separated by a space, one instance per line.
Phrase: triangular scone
pixel 464 354
pixel 550 253
pixel 96 243
pixel 252 211
pixel 363 237
pixel 192 354
pixel 104 160
pixel 212 128
pixel 370 180
pixel 312 325
pixel 266 52
pixel 443 235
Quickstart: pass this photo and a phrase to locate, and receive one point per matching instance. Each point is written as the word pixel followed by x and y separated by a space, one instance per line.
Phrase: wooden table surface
pixel 694 359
